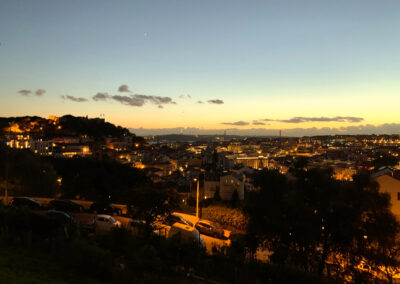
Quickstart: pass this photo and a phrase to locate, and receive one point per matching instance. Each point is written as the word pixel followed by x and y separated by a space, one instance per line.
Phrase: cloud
pixel 200 102
pixel 185 96
pixel 155 99
pixel 237 123
pixel 216 102
pixel 160 106
pixel 101 97
pixel 74 99
pixel 135 100
pixel 40 92
pixel 25 92
pixel 124 89
pixel 128 100
pixel 256 122
pixel 301 119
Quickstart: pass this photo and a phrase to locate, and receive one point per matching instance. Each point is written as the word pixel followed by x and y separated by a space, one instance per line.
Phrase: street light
pixel 197 197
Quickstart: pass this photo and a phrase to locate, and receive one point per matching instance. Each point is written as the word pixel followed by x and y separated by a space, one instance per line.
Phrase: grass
pixel 18 266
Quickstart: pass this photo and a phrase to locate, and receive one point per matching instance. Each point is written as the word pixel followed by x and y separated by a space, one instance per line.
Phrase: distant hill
pixel 67 125
pixel 192 138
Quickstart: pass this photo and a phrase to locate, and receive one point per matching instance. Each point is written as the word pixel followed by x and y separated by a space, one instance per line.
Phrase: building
pixel 391 185
pixel 44 148
pixel 229 183
pixel 210 187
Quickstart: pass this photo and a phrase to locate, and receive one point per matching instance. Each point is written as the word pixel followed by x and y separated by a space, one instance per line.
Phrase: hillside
pixel 67 125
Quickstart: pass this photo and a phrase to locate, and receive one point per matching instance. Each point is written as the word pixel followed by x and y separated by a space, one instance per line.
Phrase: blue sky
pixel 270 60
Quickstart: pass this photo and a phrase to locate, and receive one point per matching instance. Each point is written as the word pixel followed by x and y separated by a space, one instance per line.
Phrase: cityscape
pixel 199 141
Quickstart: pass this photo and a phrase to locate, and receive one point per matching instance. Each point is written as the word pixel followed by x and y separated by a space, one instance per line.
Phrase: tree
pixel 315 220
pixel 217 197
pixel 26 174
pixel 98 180
pixel 235 198
pixel 149 202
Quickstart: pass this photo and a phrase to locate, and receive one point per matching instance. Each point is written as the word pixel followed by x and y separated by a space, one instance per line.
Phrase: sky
pixel 251 67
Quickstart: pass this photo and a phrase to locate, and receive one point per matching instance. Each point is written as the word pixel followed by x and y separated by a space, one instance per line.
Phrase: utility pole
pixel 6 172
pixel 197 197
pixel 6 185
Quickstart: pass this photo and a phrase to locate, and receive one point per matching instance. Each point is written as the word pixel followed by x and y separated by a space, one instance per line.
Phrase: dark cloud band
pixel 134 100
pixel 301 119
pixel 216 102
pixel 237 123
pixel 38 92
pixel 74 99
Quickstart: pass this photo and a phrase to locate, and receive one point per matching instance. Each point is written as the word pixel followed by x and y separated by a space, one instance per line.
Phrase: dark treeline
pixel 24 173
pixel 107 181
pixel 320 225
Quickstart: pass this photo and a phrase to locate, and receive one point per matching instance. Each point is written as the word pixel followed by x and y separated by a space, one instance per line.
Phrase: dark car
pixel 174 218
pixel 208 228
pixel 61 217
pixel 61 223
pixel 103 208
pixel 65 205
pixel 26 202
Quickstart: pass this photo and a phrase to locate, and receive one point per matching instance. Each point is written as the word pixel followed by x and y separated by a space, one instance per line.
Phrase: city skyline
pixel 304 68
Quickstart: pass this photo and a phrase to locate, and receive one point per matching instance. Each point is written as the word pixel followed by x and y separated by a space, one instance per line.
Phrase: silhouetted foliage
pixel 235 198
pixel 93 127
pixel 98 180
pixel 314 220
pixel 217 196
pixel 26 173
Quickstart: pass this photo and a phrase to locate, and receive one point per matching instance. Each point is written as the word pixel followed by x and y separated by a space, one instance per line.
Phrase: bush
pixel 90 259
pixel 227 217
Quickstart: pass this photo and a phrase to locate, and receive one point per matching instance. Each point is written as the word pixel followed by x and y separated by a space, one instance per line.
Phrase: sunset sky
pixel 208 65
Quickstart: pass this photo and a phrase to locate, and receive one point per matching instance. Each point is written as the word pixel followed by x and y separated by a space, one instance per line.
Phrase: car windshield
pixel 208 225
pixel 187 222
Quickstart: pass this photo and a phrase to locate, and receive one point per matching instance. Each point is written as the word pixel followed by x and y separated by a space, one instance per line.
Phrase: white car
pixel 105 223
pixel 185 234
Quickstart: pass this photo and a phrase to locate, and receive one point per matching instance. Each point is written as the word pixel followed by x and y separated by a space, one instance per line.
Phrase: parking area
pixel 85 222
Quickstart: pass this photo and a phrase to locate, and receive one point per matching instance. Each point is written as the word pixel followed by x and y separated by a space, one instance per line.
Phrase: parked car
pixel 208 228
pixel 25 202
pixel 175 218
pixel 104 222
pixel 61 220
pixel 185 234
pixel 65 205
pixel 104 208
pixel 61 217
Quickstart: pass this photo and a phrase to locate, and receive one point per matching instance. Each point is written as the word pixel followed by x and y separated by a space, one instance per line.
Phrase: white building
pixel 391 185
